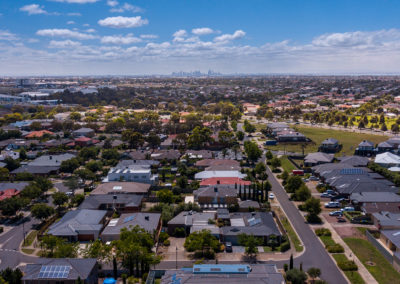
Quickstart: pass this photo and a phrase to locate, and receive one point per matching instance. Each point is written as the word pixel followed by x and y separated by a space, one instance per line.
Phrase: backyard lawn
pixel 381 269
pixel 286 164
pixel 349 140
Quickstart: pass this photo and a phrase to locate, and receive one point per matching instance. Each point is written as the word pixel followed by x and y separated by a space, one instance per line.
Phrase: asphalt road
pixel 315 254
pixel 10 241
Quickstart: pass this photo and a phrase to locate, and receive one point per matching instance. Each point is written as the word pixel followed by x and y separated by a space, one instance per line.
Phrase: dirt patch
pixel 349 232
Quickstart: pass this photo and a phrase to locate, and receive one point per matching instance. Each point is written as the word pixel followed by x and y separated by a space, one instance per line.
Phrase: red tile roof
pixel 8 193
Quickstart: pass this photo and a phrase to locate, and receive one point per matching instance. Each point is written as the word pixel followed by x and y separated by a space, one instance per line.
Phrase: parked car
pixel 361 220
pixel 332 204
pixel 341 220
pixel 271 196
pixel 336 213
pixel 338 199
pixel 228 247
pixel 330 191
pixel 326 195
pixel 348 209
pixel 313 178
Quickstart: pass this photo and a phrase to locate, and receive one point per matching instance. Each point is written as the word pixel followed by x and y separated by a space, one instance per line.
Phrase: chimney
pixel 147 218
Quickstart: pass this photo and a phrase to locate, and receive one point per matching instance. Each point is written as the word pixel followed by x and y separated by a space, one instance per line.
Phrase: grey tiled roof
pixel 80 267
pixel 78 221
pixel 95 201
pixel 147 221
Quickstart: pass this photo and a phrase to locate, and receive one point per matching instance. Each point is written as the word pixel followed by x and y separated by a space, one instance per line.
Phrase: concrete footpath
pixel 365 274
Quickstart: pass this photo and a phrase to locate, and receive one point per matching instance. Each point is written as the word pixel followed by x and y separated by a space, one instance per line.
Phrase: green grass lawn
pixel 349 140
pixel 353 276
pixel 27 250
pixel 286 164
pixel 30 238
pixel 327 240
pixel 382 271
pixel 292 234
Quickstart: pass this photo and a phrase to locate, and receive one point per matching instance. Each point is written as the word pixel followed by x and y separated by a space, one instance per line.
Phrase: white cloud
pixel 7 36
pixel 149 36
pixel 228 37
pixel 119 39
pixel 127 8
pixel 74 14
pixel 123 22
pixel 64 44
pixel 180 33
pixel 202 31
pixel 33 9
pixel 76 1
pixel 90 30
pixel 66 33
pixel 112 3
pixel 70 23
pixel 33 40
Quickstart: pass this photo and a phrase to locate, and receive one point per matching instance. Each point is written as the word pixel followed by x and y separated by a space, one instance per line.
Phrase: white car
pixel 271 195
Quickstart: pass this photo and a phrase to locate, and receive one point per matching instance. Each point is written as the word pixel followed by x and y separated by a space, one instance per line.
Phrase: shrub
pixel 163 237
pixel 313 219
pixel 144 276
pixel 166 243
pixel 285 246
pixel 276 170
pixel 179 232
pixel 323 232
pixel 347 265
pixel 336 248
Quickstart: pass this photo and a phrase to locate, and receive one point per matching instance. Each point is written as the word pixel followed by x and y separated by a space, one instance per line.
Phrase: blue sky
pixel 128 37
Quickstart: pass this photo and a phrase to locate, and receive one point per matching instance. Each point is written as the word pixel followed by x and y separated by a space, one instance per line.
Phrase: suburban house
pixel 225 181
pixel 216 196
pixel 123 203
pixel 318 158
pixel 169 155
pixel 387 160
pixel 225 273
pixel 133 170
pixel 61 270
pixel 122 187
pixel 391 239
pixel 203 164
pixel 186 219
pixel 248 205
pixel 79 225
pixel 150 222
pixel 385 147
pixel 223 174
pixel 44 165
pixel 8 193
pixel 86 132
pixel 330 145
pixel 259 224
pixel 290 136
pixel 354 161
pixel 386 220
pixel 365 148
pixel 374 202
pixel 199 154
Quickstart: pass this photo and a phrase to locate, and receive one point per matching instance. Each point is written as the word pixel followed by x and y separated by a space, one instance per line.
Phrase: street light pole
pixel 176 258
pixel 23 231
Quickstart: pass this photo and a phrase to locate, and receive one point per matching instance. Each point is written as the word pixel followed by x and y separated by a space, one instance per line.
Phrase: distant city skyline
pixel 160 37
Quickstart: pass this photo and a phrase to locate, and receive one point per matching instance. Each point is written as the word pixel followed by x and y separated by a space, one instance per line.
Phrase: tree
pixel 314 272
pixel 59 198
pixel 11 164
pixel 69 166
pixel 252 151
pixel 72 183
pixel 43 183
pixel 85 174
pixel 275 162
pixel 384 127
pixel 133 250
pixel 4 174
pixel 260 168
pixel 240 135
pixel 22 154
pixel 42 211
pixel 75 116
pixel 134 139
pixel 97 249
pixel 88 153
pixel 395 128
pixel 296 276
pixel 199 137
pixel 10 206
pixel 313 207
pixel 182 182
pixel 110 154
pixel 293 183
pixel 165 196
pixel 153 140
pixel 226 138
pixel 11 276
pixel 251 243
pixel 31 192
pixel 201 241
pixel 94 166
pixel 302 194
pixel 269 155
pixel 248 127
pixel 291 262
pixel 58 247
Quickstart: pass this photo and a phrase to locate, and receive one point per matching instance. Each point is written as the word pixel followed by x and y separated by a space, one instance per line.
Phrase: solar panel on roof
pixel 351 171
pixel 54 271
pixel 254 221
pixel 129 218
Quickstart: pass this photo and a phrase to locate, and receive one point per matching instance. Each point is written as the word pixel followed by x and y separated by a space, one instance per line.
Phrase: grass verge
pixel 27 250
pixel 381 269
pixel 292 234
pixel 30 238
pixel 353 276
pixel 286 164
